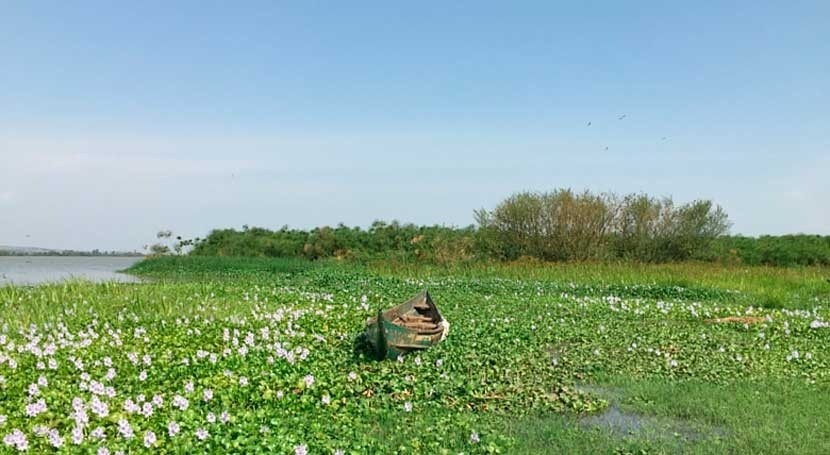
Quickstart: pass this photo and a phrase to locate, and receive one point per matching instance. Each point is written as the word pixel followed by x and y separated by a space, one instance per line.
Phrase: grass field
pixel 229 355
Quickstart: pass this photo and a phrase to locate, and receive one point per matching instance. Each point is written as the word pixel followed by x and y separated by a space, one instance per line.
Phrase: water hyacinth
pixel 164 367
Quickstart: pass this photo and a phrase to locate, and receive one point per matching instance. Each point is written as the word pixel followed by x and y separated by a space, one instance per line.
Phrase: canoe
pixel 413 325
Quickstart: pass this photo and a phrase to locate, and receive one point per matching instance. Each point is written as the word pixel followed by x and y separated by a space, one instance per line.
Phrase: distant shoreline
pixel 70 254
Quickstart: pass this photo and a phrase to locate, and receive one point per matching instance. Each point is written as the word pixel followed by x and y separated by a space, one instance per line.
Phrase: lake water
pixel 47 269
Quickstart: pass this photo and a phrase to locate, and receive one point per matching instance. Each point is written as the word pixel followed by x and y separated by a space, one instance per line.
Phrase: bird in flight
pixel 606 148
pixel 663 138
pixel 622 116
pixel 589 123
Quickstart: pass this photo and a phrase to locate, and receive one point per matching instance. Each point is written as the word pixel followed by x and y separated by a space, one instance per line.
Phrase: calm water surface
pixel 48 269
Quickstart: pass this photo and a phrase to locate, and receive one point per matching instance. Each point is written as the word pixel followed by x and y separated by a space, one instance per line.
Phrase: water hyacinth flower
pixel 55 439
pixel 352 376
pixel 77 435
pixel 180 402
pixel 125 429
pixel 149 439
pixel 225 417
pixel 202 434
pixel 38 407
pixel 326 399
pixel 98 433
pixel 207 395
pixel 103 451
pixel 309 380
pixel 474 438
pixel 407 406
pixel 17 439
pixel 301 450
pixel 211 417
pixel 173 429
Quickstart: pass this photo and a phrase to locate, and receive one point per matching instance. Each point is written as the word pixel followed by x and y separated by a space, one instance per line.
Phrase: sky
pixel 119 119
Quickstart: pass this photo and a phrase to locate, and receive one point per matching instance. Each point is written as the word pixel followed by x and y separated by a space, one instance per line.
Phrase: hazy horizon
pixel 120 120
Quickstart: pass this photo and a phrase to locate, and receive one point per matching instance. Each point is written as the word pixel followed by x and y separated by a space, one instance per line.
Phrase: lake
pixel 47 269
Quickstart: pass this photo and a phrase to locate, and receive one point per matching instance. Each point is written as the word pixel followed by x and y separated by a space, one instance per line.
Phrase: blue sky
pixel 117 120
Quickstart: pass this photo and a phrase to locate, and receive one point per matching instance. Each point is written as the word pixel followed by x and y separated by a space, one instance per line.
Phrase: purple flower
pixel 474 438
pixel 301 450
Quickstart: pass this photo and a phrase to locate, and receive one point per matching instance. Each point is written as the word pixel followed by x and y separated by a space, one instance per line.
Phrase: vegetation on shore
pixel 556 226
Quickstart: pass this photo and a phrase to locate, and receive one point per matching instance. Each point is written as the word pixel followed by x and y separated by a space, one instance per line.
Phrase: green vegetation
pixel 556 226
pixel 256 355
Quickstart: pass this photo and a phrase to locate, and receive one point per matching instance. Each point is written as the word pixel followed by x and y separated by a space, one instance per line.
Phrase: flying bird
pixel 622 116
pixel 663 138
pixel 606 148
pixel 589 123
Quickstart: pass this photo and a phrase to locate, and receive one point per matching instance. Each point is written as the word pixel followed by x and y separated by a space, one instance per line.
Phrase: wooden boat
pixel 413 325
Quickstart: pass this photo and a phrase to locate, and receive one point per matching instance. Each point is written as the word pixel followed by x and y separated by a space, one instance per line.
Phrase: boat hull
pixel 413 325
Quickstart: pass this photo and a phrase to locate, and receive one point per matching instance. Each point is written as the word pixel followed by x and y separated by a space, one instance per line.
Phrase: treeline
pixel 382 240
pixel 785 250
pixel 561 225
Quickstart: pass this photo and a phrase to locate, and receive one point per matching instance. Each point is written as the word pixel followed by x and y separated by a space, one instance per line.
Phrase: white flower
pixel 38 407
pixel 309 380
pixel 149 439
pixel 55 439
pixel 301 450
pixel 77 435
pixel 98 433
pixel 474 438
pixel 207 394
pixel 180 402
pixel 326 399
pixel 352 376
pixel 125 429
pixel 173 429
pixel 202 434
pixel 211 417
pixel 407 406
pixel 17 439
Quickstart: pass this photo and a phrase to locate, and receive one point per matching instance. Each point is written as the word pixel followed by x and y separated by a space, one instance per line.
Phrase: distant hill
pixel 7 250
